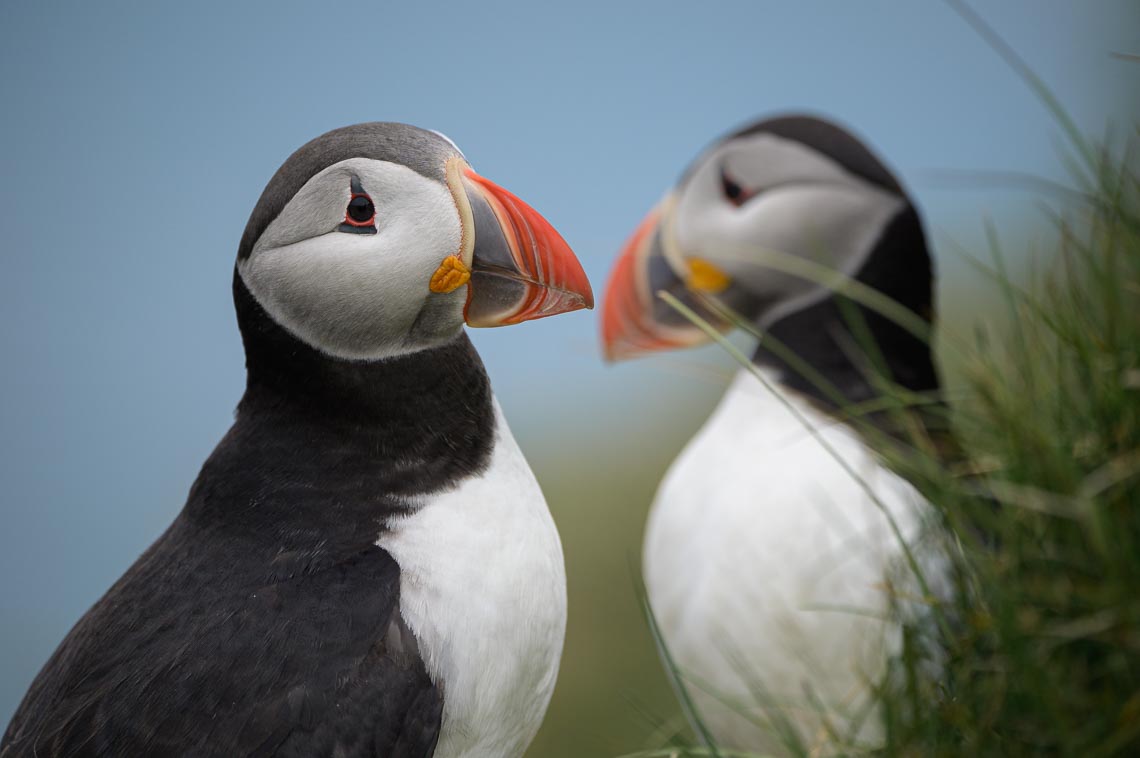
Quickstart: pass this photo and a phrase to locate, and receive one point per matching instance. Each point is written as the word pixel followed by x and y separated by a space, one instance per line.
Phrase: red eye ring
pixel 360 211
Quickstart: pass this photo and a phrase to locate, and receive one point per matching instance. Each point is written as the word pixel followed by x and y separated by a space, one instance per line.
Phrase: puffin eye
pixel 734 192
pixel 360 215
pixel 360 211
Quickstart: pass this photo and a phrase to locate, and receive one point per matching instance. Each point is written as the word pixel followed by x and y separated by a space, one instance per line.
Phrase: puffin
pixel 365 565
pixel 771 537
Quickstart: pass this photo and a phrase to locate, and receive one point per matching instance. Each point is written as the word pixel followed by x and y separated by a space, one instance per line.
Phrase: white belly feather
pixel 483 589
pixel 763 559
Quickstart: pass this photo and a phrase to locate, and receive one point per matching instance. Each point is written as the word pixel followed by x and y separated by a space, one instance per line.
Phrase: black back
pixel 265 621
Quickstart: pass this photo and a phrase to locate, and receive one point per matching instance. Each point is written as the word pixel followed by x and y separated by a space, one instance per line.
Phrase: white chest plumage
pixel 765 564
pixel 483 589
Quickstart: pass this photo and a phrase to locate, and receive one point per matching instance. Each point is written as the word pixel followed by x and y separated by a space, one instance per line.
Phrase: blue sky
pixel 136 139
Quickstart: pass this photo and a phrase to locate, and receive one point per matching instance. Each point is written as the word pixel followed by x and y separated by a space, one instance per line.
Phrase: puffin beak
pixel 635 320
pixel 520 267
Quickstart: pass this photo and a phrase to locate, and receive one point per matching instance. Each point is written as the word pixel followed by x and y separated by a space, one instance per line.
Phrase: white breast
pixel 765 564
pixel 483 588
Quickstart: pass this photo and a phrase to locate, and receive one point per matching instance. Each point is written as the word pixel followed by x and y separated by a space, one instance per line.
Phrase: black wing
pixel 187 656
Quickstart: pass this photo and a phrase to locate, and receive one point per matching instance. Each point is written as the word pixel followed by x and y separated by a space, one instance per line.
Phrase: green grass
pixel 1043 656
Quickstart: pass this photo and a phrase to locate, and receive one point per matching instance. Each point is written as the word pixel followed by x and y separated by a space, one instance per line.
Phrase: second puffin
pixel 770 539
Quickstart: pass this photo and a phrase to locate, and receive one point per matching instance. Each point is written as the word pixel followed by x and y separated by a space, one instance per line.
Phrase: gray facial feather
pixel 423 151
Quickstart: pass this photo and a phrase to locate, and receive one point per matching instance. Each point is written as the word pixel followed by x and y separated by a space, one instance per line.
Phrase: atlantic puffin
pixel 766 555
pixel 365 565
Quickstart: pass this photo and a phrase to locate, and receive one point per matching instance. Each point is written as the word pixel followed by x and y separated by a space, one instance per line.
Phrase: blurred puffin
pixel 764 558
pixel 365 565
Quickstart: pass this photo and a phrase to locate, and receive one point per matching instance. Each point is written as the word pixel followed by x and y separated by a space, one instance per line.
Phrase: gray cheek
pixel 832 226
pixel 368 321
pixel 439 320
pixel 350 311
pixel 699 215
pixel 354 333
pixel 340 307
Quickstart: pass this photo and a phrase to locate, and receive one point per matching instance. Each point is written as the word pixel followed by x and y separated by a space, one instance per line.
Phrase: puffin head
pixel 379 240
pixel 787 188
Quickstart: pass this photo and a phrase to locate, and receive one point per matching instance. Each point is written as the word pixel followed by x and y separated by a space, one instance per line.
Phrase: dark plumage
pixel 264 621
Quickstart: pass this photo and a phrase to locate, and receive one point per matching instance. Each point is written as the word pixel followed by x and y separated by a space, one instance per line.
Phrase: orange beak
pixel 521 268
pixel 634 319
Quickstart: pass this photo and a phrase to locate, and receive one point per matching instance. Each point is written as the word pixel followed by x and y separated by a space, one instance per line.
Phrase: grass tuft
pixel 1044 506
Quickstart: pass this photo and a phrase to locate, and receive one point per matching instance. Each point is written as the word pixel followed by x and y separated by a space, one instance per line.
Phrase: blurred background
pixel 135 140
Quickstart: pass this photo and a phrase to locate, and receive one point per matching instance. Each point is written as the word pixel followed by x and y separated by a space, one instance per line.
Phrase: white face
pixel 360 290
pixel 792 200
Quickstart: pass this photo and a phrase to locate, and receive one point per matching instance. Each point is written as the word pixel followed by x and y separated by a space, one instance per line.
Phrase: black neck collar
pixel 822 334
pixel 324 450
pixel 429 411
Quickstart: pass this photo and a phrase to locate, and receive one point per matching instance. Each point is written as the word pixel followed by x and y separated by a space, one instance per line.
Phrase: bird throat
pixel 851 348
pixel 426 409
